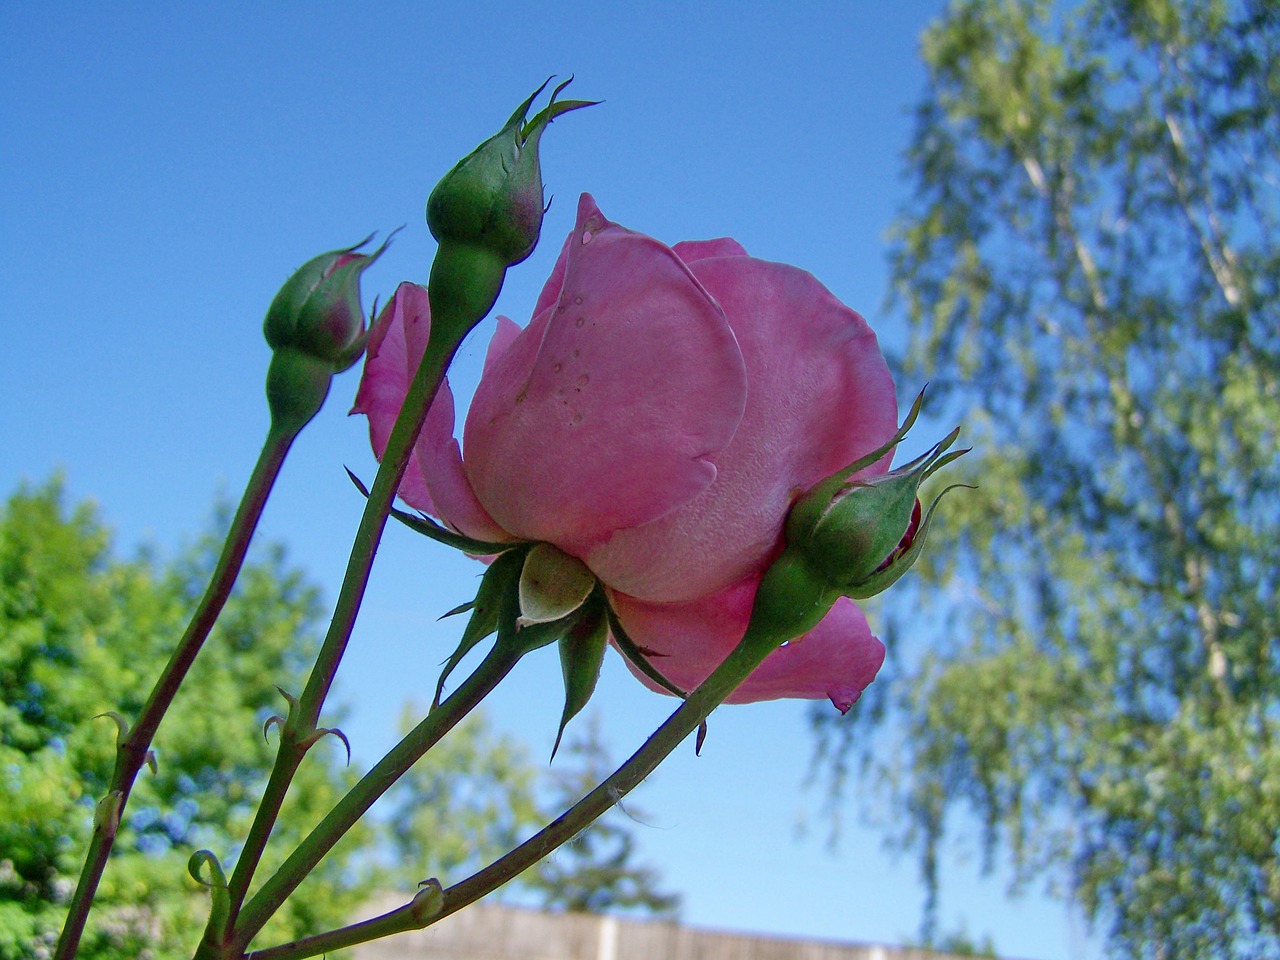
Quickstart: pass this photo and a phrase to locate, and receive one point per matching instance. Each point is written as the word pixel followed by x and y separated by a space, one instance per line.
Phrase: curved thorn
pixel 274 718
pixel 330 732
pixel 122 725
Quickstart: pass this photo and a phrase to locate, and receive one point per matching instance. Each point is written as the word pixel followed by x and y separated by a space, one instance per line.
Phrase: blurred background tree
pixel 83 632
pixel 479 793
pixel 1089 267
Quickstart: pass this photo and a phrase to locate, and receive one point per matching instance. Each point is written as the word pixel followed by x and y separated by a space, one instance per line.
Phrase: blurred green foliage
pixel 83 632
pixel 1090 269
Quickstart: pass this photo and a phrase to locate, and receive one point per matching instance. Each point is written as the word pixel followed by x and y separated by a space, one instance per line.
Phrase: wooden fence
pixel 496 932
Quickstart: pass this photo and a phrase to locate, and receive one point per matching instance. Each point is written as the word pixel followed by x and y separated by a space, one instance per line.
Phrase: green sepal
pixel 581 656
pixel 552 110
pixel 429 528
pixel 638 655
pixel 881 580
pixel 500 580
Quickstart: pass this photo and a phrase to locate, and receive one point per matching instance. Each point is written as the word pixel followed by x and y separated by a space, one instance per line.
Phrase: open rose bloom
pixel 657 419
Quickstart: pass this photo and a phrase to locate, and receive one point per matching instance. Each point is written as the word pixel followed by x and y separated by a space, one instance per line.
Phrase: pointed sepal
pixel 639 656
pixel 500 580
pixel 420 523
pixel 581 656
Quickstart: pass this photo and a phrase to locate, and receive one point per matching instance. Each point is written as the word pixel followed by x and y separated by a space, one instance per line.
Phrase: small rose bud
pixel 318 311
pixel 863 521
pixel 315 327
pixel 860 535
pixel 848 537
pixel 486 213
pixel 493 197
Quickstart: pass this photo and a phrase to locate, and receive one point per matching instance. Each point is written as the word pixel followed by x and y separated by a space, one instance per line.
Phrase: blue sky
pixel 167 166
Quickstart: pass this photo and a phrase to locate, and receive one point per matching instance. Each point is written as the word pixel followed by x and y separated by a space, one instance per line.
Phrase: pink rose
pixel 657 419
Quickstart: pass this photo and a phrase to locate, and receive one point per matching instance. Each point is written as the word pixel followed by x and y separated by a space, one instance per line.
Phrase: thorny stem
pixel 495 666
pixel 422 911
pixel 297 733
pixel 134 744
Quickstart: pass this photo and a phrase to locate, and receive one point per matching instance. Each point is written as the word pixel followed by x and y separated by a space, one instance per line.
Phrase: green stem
pixel 755 646
pixel 134 745
pixel 496 665
pixel 300 726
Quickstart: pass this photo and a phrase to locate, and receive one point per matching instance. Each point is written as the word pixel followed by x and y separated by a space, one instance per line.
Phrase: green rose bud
pixel 315 327
pixel 493 197
pixel 848 537
pixel 486 214
pixel 860 535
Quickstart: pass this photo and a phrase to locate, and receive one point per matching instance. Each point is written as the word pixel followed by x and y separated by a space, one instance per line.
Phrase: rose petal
pixel 691 250
pixel 440 459
pixel 837 659
pixel 501 341
pixel 551 289
pixel 606 411
pixel 820 396
pixel 396 345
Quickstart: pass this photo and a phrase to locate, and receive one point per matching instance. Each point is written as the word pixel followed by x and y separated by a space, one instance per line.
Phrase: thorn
pixel 289 697
pixel 122 725
pixel 330 732
pixel 702 736
pixel 274 718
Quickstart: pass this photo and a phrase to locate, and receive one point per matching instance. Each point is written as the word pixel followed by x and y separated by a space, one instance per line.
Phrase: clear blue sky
pixel 167 166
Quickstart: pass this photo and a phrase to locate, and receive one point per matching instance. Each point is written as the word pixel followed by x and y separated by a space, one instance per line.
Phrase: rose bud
pixel 487 212
pixel 849 538
pixel 315 327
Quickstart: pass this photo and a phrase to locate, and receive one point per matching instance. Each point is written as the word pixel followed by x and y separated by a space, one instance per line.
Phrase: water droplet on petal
pixel 583 380
pixel 556 368
pixel 577 299
pixel 577 418
pixel 580 321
